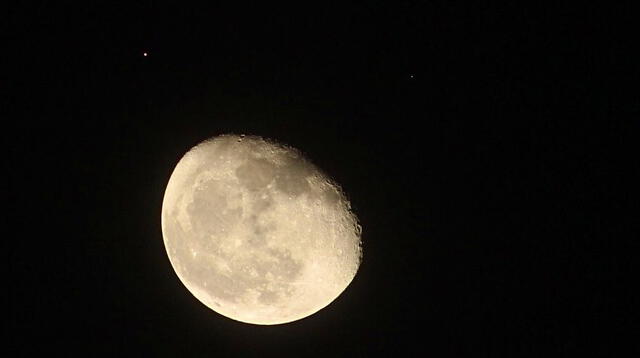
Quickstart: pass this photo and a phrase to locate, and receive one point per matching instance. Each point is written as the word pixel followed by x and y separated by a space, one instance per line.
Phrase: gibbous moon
pixel 258 233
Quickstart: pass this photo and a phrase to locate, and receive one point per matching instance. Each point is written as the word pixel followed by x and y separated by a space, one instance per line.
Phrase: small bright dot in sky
pixel 410 76
pixel 144 54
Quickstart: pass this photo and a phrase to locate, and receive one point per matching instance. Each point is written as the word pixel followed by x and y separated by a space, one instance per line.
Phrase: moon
pixel 258 233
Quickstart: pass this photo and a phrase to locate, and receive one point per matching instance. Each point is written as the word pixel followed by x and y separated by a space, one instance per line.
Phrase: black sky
pixel 486 149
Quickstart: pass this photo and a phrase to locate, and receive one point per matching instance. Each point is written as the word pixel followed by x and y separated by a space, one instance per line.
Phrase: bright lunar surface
pixel 256 232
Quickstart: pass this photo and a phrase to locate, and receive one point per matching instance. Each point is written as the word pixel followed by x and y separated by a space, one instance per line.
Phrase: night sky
pixel 486 150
